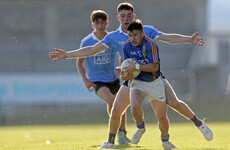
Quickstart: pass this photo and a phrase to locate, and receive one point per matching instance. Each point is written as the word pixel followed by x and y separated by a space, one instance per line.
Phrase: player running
pixel 100 68
pixel 116 40
pixel 147 84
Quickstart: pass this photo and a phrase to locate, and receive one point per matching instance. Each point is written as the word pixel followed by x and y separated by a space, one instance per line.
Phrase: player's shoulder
pixel 87 38
pixel 126 44
pixel 113 33
pixel 149 40
pixel 148 27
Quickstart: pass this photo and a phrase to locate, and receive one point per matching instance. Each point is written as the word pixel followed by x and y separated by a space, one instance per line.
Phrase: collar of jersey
pixel 94 36
pixel 120 30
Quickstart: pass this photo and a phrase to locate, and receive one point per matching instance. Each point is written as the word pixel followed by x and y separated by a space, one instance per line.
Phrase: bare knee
pixel 163 118
pixel 116 112
pixel 109 106
pixel 134 108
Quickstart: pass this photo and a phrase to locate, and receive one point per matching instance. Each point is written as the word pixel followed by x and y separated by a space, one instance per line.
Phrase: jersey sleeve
pixel 107 41
pixel 152 32
pixel 152 52
pixel 83 43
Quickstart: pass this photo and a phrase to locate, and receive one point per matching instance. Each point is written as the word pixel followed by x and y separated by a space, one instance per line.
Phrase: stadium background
pixel 35 90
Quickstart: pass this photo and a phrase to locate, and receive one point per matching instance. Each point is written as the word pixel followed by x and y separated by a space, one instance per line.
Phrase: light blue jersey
pixel 116 39
pixel 146 53
pixel 100 66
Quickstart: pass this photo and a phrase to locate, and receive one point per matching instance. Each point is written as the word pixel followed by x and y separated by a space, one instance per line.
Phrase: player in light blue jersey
pixel 147 84
pixel 125 16
pixel 100 74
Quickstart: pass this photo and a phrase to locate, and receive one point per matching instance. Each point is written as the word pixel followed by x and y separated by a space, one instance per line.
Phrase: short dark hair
pixel 135 25
pixel 99 14
pixel 125 6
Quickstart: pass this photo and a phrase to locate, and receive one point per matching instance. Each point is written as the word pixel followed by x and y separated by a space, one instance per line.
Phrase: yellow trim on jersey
pixel 154 52
pixel 154 76
pixel 154 49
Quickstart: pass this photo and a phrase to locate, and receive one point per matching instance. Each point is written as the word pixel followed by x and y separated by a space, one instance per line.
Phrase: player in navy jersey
pixel 125 16
pixel 100 74
pixel 147 84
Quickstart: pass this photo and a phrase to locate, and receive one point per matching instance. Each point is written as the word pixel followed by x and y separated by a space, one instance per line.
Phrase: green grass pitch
pixel 73 137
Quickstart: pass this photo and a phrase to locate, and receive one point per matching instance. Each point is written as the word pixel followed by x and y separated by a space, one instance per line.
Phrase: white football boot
pixel 106 145
pixel 168 145
pixel 137 136
pixel 206 131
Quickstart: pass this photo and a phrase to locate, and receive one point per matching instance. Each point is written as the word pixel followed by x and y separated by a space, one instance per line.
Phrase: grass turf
pixel 73 137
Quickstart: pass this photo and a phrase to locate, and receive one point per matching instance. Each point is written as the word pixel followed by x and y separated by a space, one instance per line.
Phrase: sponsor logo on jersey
pixel 102 59
pixel 133 53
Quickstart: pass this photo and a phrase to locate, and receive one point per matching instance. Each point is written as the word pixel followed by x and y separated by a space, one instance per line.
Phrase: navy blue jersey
pixel 146 53
pixel 116 39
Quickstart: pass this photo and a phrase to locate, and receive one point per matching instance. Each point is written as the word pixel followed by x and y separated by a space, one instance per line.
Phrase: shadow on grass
pixel 122 146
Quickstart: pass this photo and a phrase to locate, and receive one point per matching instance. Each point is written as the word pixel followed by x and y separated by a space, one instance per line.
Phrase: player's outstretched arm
pixel 196 40
pixel 180 39
pixel 60 54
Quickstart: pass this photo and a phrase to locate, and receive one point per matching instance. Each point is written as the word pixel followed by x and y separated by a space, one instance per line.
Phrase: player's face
pixel 136 37
pixel 100 25
pixel 125 17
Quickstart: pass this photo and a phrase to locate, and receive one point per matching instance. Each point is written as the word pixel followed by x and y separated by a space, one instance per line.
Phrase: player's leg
pixel 183 109
pixel 123 120
pixel 160 109
pixel 105 94
pixel 121 102
pixel 118 111
pixel 114 88
pixel 123 98
pixel 175 103
pixel 136 99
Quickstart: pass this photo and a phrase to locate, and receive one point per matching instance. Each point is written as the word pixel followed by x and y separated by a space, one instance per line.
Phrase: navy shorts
pixel 113 86
pixel 126 83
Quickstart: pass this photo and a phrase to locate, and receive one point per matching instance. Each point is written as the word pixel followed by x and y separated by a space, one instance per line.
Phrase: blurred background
pixel 35 90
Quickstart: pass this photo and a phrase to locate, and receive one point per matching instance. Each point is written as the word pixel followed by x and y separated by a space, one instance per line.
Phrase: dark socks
pixel 111 138
pixel 196 121
pixel 164 138
pixel 141 126
pixel 123 130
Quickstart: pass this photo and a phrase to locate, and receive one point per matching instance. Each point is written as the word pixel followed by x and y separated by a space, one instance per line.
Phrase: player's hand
pixel 90 85
pixel 195 40
pixel 117 72
pixel 130 68
pixel 58 54
pixel 125 75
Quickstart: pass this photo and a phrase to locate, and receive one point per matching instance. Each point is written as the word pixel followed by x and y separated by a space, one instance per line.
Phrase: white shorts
pixel 154 90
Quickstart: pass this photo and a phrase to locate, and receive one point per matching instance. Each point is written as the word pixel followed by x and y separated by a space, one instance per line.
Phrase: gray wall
pixel 30 29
